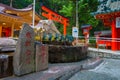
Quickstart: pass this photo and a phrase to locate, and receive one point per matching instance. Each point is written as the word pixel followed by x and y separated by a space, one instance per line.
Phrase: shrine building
pixel 109 12
pixel 86 29
pixel 103 37
pixel 11 19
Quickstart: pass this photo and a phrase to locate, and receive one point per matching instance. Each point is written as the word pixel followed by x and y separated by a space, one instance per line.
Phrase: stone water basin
pixel 62 53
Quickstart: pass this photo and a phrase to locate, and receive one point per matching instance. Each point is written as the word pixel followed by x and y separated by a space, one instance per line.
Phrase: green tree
pixel 68 11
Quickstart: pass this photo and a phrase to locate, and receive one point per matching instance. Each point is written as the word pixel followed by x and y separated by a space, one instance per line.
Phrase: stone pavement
pixel 108 70
pixel 59 71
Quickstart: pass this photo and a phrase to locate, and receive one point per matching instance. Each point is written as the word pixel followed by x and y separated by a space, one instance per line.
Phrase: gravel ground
pixel 108 70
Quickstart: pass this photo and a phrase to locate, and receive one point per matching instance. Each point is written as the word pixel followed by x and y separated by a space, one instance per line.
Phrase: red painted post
pixel 50 16
pixel 114 35
pixel 97 38
pixel 65 29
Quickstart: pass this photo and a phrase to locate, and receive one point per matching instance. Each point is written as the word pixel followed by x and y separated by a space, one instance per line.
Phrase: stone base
pixel 9 67
pixel 58 54
pixel 103 53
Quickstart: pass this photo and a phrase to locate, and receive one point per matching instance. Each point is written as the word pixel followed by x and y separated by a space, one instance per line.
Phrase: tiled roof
pixel 85 26
pixel 12 16
pixel 107 6
pixel 11 12
pixel 103 33
pixel 29 8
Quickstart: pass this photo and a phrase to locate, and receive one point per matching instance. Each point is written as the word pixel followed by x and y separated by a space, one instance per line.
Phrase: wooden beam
pixel 12 30
pixel 0 31
pixel 107 22
pixel 108 15
pixel 7 18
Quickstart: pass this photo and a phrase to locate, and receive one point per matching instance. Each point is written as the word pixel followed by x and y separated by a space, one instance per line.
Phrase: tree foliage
pixel 67 9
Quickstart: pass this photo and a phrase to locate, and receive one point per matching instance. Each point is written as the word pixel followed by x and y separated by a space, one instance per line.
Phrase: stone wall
pixel 67 53
pixel 103 53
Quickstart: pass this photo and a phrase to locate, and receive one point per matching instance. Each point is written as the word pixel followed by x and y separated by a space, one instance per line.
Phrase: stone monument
pixel 41 57
pixel 23 59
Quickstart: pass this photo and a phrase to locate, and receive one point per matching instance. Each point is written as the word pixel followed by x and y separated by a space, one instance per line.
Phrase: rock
pixel 23 60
